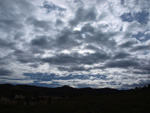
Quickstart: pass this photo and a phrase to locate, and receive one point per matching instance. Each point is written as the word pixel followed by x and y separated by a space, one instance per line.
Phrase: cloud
pixel 141 47
pixel 12 15
pixel 41 24
pixel 59 22
pixel 5 44
pixel 66 39
pixel 75 58
pixel 24 56
pixel 40 42
pixel 121 55
pixel 121 64
pixel 129 44
pixel 70 38
pixel 71 69
pixel 5 72
pixel 83 15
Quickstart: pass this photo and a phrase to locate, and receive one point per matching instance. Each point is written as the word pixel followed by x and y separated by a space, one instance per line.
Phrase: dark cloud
pixel 6 44
pixel 76 67
pixel 12 15
pixel 146 68
pixel 72 69
pixel 5 72
pixel 143 69
pixel 128 44
pixel 7 25
pixel 37 49
pixel 101 39
pixel 141 48
pixel 66 40
pixel 24 56
pixel 59 22
pixel 45 25
pixel 3 61
pixel 62 59
pixel 121 64
pixel 121 55
pixel 92 47
pixel 96 36
pixel 34 65
pixel 18 35
pixel 87 28
pixel 75 58
pixel 83 15
pixel 76 1
pixel 40 41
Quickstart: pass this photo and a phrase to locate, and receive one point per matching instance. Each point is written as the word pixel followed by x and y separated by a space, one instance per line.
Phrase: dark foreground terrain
pixel 32 99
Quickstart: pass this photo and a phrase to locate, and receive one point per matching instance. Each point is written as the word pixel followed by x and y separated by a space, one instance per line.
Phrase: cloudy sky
pixel 80 43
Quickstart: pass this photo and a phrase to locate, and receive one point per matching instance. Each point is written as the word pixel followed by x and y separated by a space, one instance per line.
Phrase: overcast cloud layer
pixel 81 43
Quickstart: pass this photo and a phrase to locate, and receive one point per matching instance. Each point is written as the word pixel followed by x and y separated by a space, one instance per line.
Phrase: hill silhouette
pixel 65 99
pixel 11 90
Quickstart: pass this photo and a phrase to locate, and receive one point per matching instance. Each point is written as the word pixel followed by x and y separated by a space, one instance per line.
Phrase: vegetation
pixel 31 99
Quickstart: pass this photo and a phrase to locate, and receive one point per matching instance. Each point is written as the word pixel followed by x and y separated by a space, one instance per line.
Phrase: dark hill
pixel 11 90
pixel 33 99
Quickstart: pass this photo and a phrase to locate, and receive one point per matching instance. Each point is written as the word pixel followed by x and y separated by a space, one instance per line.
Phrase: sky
pixel 80 43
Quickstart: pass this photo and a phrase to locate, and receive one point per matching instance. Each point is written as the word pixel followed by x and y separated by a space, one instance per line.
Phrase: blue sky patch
pixel 49 77
pixel 141 17
pixel 122 2
pixel 127 17
pixel 52 7
pixel 141 36
pixel 138 36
